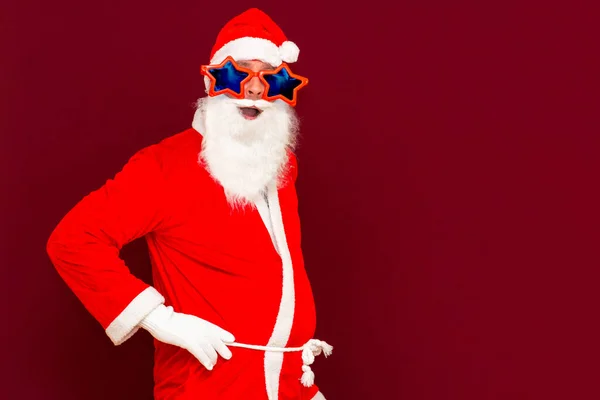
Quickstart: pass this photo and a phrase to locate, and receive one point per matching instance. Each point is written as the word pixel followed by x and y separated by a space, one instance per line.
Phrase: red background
pixel 448 181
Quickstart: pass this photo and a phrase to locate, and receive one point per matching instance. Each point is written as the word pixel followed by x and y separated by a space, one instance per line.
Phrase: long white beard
pixel 245 156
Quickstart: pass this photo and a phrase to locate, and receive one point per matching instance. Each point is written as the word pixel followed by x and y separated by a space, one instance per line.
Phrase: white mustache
pixel 260 104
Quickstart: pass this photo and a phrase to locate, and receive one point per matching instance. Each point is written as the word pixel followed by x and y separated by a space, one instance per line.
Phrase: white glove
pixel 201 338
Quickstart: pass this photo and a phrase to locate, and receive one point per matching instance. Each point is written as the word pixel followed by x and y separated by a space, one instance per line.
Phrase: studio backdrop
pixel 448 187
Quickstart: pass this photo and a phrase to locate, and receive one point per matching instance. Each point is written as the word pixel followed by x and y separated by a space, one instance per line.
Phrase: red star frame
pixel 205 70
pixel 303 82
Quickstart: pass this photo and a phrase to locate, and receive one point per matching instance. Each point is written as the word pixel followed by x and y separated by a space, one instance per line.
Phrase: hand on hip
pixel 201 338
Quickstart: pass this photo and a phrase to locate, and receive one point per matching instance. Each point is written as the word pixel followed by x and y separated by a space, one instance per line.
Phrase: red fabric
pixel 251 23
pixel 208 260
pixel 85 245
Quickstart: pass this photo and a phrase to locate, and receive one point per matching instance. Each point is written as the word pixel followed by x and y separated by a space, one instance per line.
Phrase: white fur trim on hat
pixel 251 48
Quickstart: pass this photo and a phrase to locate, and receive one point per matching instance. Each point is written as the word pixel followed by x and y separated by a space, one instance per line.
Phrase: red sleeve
pixel 85 245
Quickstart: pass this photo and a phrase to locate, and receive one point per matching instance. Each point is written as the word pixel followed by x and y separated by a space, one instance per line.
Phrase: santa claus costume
pixel 223 253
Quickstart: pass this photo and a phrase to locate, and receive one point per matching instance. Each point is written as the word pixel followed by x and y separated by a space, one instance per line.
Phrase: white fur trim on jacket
pixel 285 317
pixel 251 48
pixel 126 324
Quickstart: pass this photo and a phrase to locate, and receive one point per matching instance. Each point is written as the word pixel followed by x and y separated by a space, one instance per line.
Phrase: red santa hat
pixel 253 35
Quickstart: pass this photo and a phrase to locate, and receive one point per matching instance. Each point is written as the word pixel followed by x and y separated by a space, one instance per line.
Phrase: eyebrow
pixel 246 64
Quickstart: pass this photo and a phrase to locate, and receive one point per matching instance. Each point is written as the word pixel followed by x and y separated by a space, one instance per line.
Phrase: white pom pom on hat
pixel 289 51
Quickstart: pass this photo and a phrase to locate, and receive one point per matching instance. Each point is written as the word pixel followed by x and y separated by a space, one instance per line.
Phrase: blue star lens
pixel 228 77
pixel 282 83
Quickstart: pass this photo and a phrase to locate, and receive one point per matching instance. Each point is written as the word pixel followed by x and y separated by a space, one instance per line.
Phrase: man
pixel 231 308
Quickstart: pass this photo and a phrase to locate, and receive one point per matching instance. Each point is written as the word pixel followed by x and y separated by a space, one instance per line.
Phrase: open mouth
pixel 250 112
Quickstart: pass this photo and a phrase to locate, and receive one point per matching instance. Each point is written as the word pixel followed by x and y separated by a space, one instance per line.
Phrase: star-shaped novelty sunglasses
pixel 229 77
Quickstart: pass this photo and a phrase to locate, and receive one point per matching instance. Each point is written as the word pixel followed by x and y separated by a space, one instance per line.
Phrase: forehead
pixel 255 65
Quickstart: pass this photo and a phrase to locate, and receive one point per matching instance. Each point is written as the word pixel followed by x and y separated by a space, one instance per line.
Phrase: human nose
pixel 254 89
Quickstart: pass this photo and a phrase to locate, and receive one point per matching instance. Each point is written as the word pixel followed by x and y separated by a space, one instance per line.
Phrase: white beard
pixel 245 156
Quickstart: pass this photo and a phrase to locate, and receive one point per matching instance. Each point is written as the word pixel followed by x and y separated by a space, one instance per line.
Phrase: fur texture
pixel 244 156
pixel 125 325
pixel 253 48
pixel 285 317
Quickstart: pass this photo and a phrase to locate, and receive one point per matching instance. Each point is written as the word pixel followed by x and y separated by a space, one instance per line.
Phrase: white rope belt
pixel 310 350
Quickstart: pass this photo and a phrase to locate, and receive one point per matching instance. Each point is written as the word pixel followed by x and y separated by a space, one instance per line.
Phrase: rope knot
pixel 310 350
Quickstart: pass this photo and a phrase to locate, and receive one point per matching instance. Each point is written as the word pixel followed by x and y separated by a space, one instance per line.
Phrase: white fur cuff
pixel 126 324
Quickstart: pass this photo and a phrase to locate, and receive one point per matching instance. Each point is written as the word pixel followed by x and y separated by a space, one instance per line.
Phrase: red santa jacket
pixel 208 260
